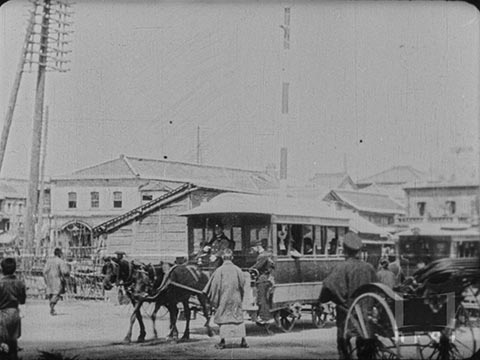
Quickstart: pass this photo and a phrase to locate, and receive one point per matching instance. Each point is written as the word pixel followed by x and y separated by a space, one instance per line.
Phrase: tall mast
pixel 16 86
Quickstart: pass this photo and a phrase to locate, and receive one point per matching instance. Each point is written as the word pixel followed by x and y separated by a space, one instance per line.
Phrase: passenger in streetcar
pixel 342 282
pixel 265 265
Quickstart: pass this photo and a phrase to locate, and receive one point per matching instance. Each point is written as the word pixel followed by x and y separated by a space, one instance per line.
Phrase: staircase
pixel 132 215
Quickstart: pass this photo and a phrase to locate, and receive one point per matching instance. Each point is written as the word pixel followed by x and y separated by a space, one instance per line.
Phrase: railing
pixel 433 219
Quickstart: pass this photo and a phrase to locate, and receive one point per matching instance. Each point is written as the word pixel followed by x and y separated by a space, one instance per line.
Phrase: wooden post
pixel 16 85
pixel 41 196
pixel 32 196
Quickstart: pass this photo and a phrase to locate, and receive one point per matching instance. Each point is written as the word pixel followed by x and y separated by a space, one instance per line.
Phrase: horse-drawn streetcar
pixel 306 239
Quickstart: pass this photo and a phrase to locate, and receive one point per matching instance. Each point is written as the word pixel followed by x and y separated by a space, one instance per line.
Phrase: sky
pixel 371 85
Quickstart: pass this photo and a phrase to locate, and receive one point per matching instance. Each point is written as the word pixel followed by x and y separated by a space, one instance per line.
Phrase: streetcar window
pixel 237 237
pixel 320 240
pixel 198 239
pixel 296 238
pixel 332 241
pixel 308 240
pixel 282 239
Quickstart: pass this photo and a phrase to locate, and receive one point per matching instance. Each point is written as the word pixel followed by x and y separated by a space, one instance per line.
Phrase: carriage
pixel 306 239
pixel 423 318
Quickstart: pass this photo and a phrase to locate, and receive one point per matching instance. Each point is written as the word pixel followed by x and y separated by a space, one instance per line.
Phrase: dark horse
pixel 148 283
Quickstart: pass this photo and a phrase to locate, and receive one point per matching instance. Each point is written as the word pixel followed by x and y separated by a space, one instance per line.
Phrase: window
pixel 147 197
pixel 421 208
pixel 72 200
pixel 450 207
pixel 117 199
pixel 20 208
pixel 94 199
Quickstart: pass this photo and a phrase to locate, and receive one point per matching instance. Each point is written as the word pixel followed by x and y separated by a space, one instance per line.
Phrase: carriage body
pixel 423 318
pixel 305 237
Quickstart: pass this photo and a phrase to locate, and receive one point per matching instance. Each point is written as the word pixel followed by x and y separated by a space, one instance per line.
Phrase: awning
pixel 7 238
pixel 360 225
pixel 428 229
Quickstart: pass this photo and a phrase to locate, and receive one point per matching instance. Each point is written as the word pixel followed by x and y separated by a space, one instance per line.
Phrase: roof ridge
pixel 130 166
pixel 96 165
pixel 196 165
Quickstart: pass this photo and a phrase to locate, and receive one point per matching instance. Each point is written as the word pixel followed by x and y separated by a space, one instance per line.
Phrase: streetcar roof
pixel 281 208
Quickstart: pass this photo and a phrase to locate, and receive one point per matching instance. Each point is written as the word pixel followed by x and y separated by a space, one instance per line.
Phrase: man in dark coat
pixel 342 282
pixel 217 245
pixel 385 275
pixel 225 290
pixel 12 294
pixel 265 265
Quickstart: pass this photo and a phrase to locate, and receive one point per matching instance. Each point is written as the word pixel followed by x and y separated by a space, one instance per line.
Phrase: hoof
pixel 127 340
pixel 141 340
pixel 210 333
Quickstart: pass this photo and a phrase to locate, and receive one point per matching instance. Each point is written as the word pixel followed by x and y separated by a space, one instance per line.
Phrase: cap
pixel 384 261
pixel 120 252
pixel 352 241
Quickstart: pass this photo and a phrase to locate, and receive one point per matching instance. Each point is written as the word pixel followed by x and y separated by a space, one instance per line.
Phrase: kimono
pixel 225 289
pixel 54 274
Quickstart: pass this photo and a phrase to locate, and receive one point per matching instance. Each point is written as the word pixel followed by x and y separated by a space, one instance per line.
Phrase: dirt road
pixel 95 330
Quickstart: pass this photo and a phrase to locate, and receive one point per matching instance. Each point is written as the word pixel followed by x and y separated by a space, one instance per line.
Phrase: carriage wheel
pixel 285 319
pixel 456 343
pixel 319 316
pixel 370 329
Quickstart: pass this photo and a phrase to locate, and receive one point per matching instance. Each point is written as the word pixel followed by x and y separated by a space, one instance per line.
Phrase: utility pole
pixel 285 103
pixel 41 196
pixel 46 47
pixel 16 86
pixel 198 144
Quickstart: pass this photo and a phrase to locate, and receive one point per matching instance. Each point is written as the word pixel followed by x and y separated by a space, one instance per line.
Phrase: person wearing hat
pixel 265 265
pixel 385 275
pixel 217 245
pixel 120 255
pixel 341 283
pixel 55 273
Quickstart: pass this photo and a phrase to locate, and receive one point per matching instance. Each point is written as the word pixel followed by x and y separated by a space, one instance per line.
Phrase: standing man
pixel 385 275
pixel 342 282
pixel 55 272
pixel 225 290
pixel 217 245
pixel 12 294
pixel 265 266
pixel 395 267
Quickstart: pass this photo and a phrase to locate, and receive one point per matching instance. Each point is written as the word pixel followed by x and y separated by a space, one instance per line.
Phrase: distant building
pixel 392 181
pixel 13 195
pixel 377 208
pixel 441 201
pixel 89 197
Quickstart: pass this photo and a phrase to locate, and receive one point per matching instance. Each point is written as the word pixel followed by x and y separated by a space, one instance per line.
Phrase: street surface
pixel 95 330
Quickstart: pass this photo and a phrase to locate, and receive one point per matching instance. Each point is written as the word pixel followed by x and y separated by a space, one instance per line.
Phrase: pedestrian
pixel 12 294
pixel 341 283
pixel 265 265
pixel 385 275
pixel 396 268
pixel 225 290
pixel 55 273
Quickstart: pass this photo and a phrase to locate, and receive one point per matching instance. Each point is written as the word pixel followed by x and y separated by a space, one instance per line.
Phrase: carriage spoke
pixel 361 320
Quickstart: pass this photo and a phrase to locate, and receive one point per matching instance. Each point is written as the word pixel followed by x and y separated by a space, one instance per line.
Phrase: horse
pixel 149 283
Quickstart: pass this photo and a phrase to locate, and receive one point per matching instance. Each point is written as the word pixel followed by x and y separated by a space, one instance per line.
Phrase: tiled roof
pixel 330 180
pixel 367 201
pixel 441 184
pixel 201 175
pixel 396 174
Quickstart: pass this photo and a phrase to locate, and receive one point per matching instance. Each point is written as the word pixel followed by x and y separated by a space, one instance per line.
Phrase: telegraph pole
pixel 45 47
pixel 41 196
pixel 198 144
pixel 16 86
pixel 285 103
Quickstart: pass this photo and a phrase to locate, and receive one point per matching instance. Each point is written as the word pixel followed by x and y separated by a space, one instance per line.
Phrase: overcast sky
pixel 379 83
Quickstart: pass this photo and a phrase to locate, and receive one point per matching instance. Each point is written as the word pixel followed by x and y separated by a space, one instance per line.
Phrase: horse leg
pixel 187 313
pixel 173 310
pixel 136 308
pixel 206 312
pixel 141 336
pixel 154 317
